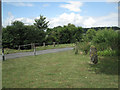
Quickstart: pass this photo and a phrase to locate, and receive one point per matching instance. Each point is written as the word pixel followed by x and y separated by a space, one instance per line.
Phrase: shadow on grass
pixel 106 65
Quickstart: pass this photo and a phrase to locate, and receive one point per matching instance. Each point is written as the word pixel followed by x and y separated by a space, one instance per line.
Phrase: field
pixel 60 70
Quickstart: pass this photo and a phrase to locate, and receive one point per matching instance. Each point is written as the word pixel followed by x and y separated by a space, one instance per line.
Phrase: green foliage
pixel 106 38
pixel 20 34
pixel 79 34
pixel 90 35
pixel 108 53
pixel 66 34
pixel 13 35
pixel 41 23
pixel 84 46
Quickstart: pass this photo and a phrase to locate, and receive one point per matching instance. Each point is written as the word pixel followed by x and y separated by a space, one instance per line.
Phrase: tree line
pixel 19 34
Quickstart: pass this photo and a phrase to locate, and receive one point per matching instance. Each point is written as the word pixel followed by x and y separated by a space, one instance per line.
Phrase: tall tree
pixel 41 23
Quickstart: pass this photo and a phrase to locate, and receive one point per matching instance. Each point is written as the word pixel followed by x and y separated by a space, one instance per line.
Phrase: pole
pixel 3 55
pixel 54 44
pixel 19 47
pixel 34 50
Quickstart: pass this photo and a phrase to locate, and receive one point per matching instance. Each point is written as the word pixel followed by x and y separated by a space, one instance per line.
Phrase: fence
pixel 32 45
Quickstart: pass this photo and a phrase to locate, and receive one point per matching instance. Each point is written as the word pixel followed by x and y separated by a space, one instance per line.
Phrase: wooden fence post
pixel 19 47
pixel 3 55
pixel 34 49
pixel 54 44
pixel 44 44
pixel 58 43
pixel 31 46
pixel 76 48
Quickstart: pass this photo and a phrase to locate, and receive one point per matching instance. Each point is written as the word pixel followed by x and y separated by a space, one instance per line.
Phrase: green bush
pixel 84 46
pixel 108 53
pixel 106 38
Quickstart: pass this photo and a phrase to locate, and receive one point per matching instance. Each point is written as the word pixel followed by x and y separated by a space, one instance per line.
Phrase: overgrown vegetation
pixel 105 40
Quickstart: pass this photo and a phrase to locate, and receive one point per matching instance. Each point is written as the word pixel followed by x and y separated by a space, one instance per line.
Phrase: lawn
pixel 60 70
pixel 0 74
pixel 8 51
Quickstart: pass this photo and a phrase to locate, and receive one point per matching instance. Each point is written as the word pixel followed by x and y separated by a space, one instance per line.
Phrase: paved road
pixel 17 55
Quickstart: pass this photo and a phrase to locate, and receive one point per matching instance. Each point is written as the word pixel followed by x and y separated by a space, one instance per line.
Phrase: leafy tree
pixel 79 34
pixel 30 34
pixel 90 34
pixel 13 35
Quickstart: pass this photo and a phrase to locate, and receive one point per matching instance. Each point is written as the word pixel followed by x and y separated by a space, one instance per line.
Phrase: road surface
pixel 17 55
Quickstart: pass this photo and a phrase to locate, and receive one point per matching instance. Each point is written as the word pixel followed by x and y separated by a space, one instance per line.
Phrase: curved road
pixel 17 55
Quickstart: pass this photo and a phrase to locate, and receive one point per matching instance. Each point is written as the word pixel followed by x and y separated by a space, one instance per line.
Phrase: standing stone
pixel 93 54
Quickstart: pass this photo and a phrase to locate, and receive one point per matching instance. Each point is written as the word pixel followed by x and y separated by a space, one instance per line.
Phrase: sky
pixel 85 14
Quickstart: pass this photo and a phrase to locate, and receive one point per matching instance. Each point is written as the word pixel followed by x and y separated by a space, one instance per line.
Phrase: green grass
pixel 8 51
pixel 0 74
pixel 60 70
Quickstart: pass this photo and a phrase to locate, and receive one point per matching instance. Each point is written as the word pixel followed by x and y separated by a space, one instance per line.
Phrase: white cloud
pixel 11 18
pixel 8 20
pixel 73 6
pixel 89 22
pixel 108 20
pixel 26 21
pixel 78 20
pixel 65 18
pixel 20 4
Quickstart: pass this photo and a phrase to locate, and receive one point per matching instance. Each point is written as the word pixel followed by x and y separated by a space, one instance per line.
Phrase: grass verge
pixel 60 70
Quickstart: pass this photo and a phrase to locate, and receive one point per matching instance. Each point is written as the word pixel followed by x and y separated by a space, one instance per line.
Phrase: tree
pixel 41 23
pixel 13 35
pixel 78 34
pixel 90 34
pixel 30 34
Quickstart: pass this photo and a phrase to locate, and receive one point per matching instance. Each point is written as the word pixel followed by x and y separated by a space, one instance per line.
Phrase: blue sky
pixel 85 14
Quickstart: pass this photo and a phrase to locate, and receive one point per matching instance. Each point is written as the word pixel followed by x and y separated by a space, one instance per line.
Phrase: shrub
pixel 108 53
pixel 106 38
pixel 84 46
